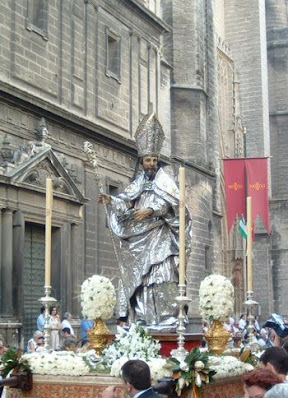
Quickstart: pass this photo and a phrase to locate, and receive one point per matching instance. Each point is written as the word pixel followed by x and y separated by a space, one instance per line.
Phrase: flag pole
pixel 250 303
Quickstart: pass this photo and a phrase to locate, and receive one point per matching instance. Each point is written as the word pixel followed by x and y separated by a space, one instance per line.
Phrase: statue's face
pixel 150 166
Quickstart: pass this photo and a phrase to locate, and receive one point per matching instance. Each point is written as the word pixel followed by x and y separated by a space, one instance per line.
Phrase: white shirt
pixel 67 324
pixel 242 324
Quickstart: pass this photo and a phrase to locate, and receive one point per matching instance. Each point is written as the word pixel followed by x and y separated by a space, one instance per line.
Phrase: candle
pixel 182 226
pixel 49 205
pixel 249 245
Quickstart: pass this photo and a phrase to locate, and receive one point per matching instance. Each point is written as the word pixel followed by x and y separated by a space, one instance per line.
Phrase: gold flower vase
pixel 99 336
pixel 217 337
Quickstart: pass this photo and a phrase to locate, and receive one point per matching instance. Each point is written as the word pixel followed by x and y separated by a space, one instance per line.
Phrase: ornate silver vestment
pixel 149 248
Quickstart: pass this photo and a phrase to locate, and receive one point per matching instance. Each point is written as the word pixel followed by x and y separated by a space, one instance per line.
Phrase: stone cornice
pixel 62 116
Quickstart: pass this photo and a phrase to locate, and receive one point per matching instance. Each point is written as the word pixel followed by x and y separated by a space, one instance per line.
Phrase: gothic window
pixel 113 64
pixel 37 17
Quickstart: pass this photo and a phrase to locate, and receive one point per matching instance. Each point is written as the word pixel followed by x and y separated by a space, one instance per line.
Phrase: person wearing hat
pixel 146 219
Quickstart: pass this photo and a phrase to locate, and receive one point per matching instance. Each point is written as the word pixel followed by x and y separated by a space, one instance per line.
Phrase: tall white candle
pixel 249 245
pixel 49 206
pixel 182 226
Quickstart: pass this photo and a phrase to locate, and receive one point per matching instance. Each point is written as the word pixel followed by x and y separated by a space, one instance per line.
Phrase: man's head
pixel 136 376
pixel 66 332
pixel 150 165
pixel 42 310
pixel 67 316
pixel 276 359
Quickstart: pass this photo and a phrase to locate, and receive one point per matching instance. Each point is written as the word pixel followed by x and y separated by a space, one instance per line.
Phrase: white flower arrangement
pixel 61 363
pixel 227 366
pixel 216 298
pixel 98 298
pixel 134 344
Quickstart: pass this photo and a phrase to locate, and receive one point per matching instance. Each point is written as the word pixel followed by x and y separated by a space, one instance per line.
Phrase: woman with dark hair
pixel 55 327
pixel 258 382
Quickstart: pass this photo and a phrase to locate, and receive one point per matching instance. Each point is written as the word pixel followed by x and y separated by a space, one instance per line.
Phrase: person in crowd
pixel 122 324
pixel 85 325
pixel 137 381
pixel 205 328
pixel 275 359
pixel 66 323
pixel 278 391
pixel 264 333
pixel 258 339
pixel 258 382
pixel 41 319
pixel 242 322
pixel 69 342
pixel 3 348
pixel 234 327
pixel 55 327
pixel 237 340
pixel 36 343
pixel 227 325
pixel 256 323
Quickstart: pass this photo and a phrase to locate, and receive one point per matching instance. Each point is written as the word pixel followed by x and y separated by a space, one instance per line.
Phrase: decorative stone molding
pixel 30 165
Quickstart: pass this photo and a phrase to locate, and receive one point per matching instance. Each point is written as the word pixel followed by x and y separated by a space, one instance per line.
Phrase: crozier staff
pixel 146 219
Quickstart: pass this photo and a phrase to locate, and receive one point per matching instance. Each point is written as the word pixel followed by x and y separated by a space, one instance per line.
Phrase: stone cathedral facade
pixel 214 71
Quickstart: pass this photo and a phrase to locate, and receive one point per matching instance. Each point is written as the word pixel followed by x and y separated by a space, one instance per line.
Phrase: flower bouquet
pixel 216 303
pixel 98 299
pixel 134 344
pixel 193 370
pixel 216 298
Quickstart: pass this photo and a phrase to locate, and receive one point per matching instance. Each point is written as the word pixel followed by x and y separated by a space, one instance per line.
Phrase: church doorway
pixel 33 276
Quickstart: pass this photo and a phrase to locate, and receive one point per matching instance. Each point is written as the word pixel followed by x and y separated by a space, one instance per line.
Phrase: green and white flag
pixel 242 228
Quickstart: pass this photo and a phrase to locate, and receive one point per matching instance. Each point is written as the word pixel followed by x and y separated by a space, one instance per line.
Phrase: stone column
pixel 7 263
pixel 75 283
pixel 18 261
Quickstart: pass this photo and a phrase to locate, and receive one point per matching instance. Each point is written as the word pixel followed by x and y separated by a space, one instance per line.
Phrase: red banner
pixel 257 188
pixel 234 176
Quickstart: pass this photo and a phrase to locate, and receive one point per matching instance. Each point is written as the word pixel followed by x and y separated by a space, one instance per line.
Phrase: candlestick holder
pixel 250 305
pixel 47 301
pixel 180 353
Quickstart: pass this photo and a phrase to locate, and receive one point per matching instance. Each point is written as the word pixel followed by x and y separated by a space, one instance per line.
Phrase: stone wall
pixel 277 51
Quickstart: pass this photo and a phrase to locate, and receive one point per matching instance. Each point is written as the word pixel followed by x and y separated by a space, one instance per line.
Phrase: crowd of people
pixel 62 335
pixel 263 336
pixel 270 379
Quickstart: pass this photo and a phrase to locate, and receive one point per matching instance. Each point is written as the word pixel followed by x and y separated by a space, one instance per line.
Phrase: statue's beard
pixel 151 173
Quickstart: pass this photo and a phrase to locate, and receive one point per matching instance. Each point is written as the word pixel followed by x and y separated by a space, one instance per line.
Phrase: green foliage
pixel 194 370
pixel 11 359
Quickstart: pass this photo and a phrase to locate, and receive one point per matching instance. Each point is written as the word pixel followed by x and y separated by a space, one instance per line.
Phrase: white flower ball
pixel 98 297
